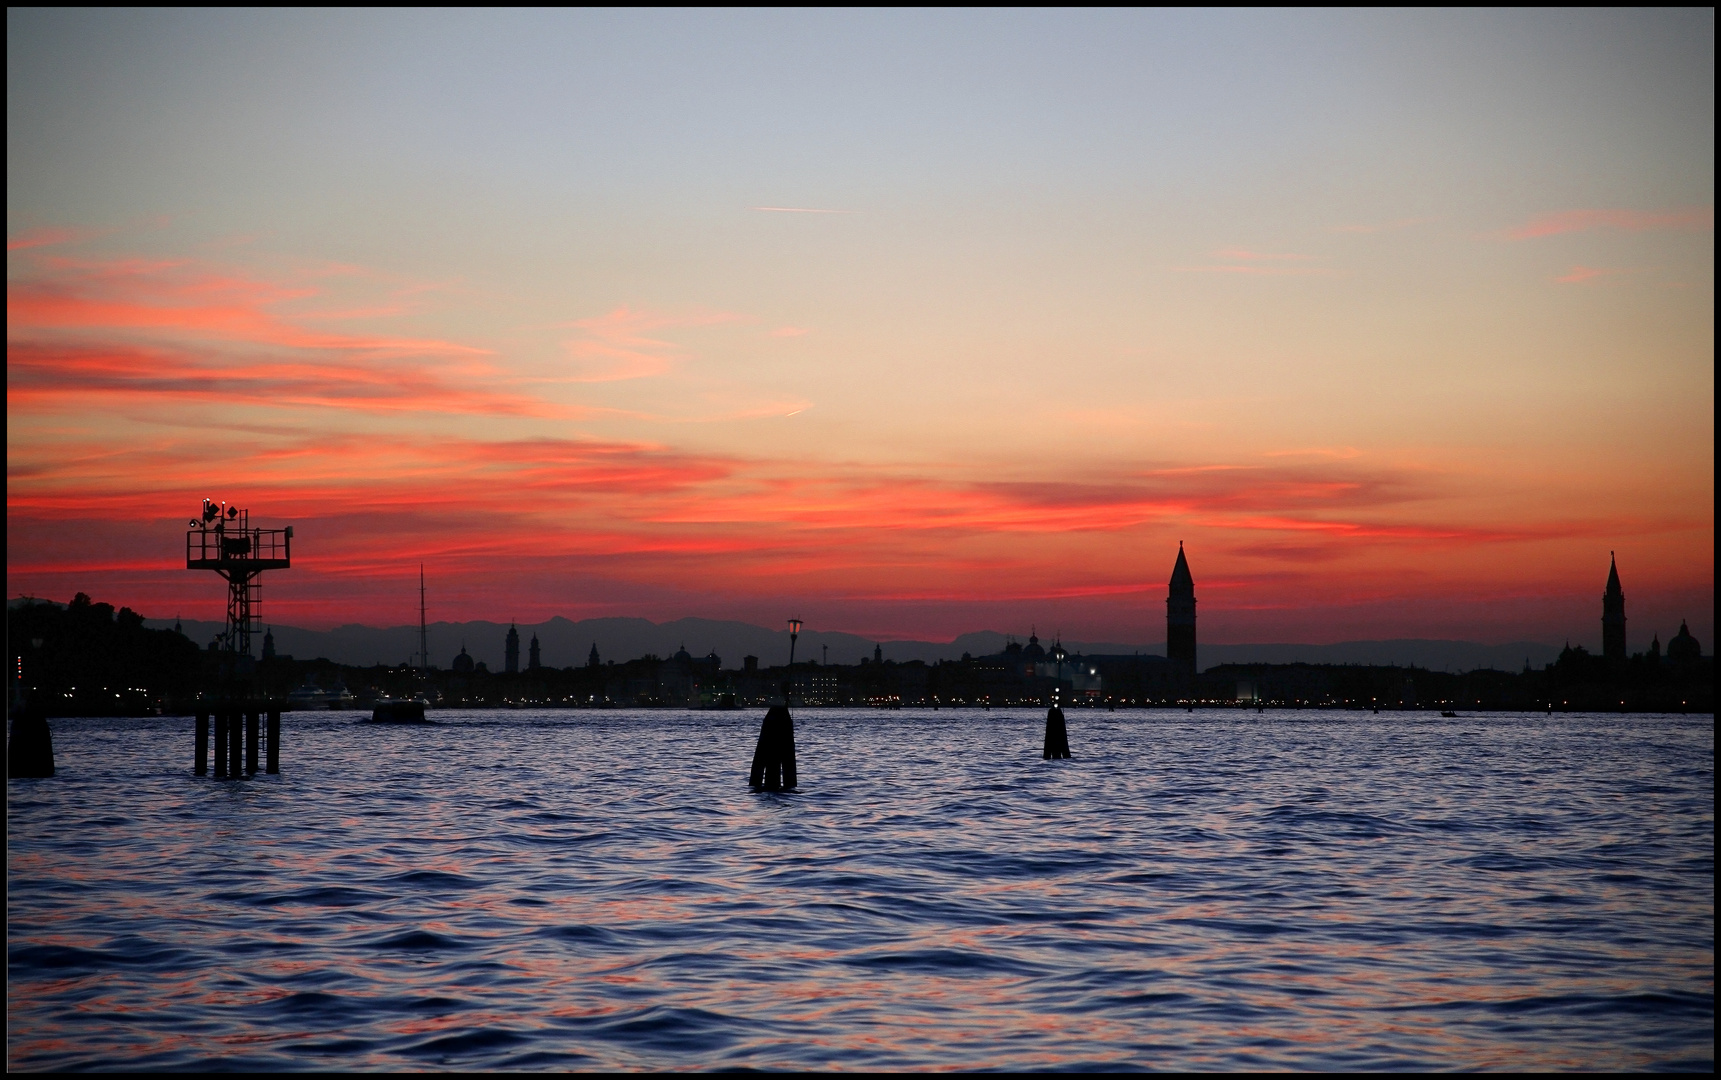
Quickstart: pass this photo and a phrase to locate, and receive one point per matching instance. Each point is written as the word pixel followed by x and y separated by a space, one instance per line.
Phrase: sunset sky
pixel 904 323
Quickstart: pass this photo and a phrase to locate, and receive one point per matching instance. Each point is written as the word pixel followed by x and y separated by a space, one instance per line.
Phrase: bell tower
pixel 1613 616
pixel 1180 618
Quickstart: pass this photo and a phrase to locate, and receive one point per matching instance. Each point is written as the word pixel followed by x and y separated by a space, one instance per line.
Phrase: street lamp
pixel 794 632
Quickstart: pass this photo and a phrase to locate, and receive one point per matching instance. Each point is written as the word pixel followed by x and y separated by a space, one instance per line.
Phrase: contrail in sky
pixel 800 210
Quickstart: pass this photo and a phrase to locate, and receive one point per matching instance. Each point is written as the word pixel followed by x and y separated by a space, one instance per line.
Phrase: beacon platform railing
pixel 247 549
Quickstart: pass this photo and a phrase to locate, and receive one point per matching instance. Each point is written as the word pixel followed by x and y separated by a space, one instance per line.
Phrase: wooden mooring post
pixel 1057 735
pixel 774 756
pixel 30 747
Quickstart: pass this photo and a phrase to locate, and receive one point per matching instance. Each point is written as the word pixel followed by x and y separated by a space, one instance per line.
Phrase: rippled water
pixel 599 890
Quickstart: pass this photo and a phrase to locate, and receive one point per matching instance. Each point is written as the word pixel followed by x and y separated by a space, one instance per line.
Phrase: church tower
pixel 1180 618
pixel 1613 616
pixel 532 655
pixel 512 653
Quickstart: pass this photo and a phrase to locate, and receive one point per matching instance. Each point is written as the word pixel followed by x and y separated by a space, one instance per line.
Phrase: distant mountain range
pixel 566 643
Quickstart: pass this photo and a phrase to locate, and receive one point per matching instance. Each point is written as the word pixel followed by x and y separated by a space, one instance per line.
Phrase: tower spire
pixel 1613 615
pixel 1180 618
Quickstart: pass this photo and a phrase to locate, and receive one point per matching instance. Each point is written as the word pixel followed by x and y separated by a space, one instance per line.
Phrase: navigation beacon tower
pixel 1613 616
pixel 1180 618
pixel 222 539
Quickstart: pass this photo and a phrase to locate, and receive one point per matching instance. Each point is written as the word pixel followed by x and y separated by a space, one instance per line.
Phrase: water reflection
pixel 1210 891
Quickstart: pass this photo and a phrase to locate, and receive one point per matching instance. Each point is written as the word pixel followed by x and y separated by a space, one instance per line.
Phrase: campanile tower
pixel 1180 618
pixel 1613 616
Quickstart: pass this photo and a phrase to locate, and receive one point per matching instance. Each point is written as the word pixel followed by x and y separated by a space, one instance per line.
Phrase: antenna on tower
pixel 423 630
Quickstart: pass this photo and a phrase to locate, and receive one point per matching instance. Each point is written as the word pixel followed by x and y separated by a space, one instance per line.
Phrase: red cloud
pixel 1693 219
pixel 552 526
pixel 565 525
pixel 42 375
pixel 173 330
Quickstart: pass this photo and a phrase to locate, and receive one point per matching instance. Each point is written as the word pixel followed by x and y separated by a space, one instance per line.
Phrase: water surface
pixel 1218 890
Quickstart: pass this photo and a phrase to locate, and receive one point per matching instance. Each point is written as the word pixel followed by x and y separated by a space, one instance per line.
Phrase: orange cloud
pixel 1244 253
pixel 615 346
pixel 177 297
pixel 1385 226
pixel 1257 263
pixel 1694 219
pixel 42 238
pixel 1577 275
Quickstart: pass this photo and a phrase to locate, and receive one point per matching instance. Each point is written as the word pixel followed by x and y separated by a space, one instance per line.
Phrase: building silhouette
pixel 512 652
pixel 1684 649
pixel 592 660
pixel 1180 618
pixel 1613 616
pixel 463 663
pixel 268 643
pixel 1035 652
pixel 532 655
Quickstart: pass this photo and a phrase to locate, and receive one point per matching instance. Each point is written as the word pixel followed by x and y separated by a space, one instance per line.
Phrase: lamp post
pixel 794 632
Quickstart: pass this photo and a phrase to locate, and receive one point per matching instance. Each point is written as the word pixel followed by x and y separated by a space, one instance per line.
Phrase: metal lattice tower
pixel 223 540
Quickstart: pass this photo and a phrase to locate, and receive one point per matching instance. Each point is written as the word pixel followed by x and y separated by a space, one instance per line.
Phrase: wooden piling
pixel 235 745
pixel 1057 735
pixel 200 766
pixel 774 756
pixel 221 745
pixel 274 741
pixel 30 748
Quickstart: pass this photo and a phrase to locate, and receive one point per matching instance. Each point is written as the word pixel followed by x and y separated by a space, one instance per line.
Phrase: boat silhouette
pixel 399 711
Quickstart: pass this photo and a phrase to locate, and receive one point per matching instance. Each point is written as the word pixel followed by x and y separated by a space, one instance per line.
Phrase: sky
pixel 904 323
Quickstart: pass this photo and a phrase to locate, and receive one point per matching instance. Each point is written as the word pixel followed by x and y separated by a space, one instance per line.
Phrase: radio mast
pixel 423 631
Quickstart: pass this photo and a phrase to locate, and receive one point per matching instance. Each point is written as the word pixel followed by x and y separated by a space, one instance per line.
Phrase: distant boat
pixel 399 711
pixel 341 698
pixel 308 696
pixel 1449 714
